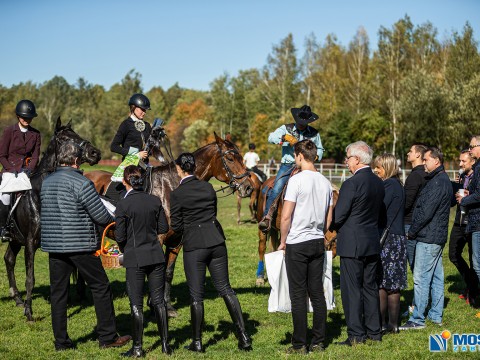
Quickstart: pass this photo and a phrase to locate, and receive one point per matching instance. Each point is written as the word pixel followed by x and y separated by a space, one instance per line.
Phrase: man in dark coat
pixel 70 210
pixel 356 219
pixel 430 229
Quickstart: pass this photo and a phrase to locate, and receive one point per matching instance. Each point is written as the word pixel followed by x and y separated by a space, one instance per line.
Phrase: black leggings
pixel 156 284
pixel 195 264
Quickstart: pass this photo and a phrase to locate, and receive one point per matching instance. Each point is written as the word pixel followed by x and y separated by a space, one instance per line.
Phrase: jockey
pixel 19 153
pixel 251 159
pixel 133 132
pixel 287 135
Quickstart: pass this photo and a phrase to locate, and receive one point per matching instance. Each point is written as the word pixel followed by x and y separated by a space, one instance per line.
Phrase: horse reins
pixel 232 178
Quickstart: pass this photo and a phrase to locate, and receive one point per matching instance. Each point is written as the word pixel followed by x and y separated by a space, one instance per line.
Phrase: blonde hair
pixel 389 163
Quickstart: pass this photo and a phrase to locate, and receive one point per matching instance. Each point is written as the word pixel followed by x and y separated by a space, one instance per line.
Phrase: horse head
pixel 229 167
pixel 157 140
pixel 65 133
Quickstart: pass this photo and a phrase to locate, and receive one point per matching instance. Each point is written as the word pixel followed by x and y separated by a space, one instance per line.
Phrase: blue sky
pixel 188 41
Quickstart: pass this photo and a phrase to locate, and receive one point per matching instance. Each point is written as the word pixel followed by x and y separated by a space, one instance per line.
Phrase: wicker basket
pixel 109 262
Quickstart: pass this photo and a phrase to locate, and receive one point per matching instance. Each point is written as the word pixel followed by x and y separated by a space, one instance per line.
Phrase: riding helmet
pixel 26 109
pixel 140 100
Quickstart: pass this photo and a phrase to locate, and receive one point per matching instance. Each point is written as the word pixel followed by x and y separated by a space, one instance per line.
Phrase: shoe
pixel 195 346
pixel 264 225
pixel 391 330
pixel 68 345
pixel 134 352
pixel 196 314
pixel 235 311
pixel 316 348
pixel 299 351
pixel 121 341
pixel 410 325
pixel 349 342
pixel 162 325
pixel 408 312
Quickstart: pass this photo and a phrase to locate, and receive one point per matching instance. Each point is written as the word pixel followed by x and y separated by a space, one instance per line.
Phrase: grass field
pixel 270 332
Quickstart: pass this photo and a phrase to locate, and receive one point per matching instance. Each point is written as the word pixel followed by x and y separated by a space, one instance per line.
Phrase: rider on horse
pixel 251 159
pixel 287 135
pixel 19 153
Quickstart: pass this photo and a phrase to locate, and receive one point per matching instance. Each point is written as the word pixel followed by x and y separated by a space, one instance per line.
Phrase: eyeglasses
pixel 348 157
pixel 473 146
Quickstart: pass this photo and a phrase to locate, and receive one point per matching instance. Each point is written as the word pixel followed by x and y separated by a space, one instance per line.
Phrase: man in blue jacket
pixel 430 229
pixel 71 208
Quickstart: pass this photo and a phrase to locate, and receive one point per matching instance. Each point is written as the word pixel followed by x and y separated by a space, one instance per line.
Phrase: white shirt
pixel 251 159
pixel 312 194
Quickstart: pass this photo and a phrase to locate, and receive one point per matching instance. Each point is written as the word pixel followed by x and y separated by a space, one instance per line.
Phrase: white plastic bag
pixel 279 299
pixel 12 182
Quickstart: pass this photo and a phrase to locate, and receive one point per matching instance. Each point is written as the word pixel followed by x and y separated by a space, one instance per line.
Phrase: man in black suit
pixel 356 220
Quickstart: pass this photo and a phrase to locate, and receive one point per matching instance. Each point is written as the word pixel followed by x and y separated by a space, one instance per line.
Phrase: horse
pixel 220 159
pixel 252 205
pixel 26 215
pixel 330 236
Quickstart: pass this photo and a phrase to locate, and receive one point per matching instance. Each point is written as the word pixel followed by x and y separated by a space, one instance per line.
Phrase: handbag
pixel 384 237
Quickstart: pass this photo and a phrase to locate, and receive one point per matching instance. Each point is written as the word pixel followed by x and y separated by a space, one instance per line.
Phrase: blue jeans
pixel 476 252
pixel 280 180
pixel 411 244
pixel 428 279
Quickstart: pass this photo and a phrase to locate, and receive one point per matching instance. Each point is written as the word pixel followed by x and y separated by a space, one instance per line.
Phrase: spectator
pixel 459 237
pixel 430 229
pixel 306 216
pixel 392 271
pixel 251 159
pixel 70 211
pixel 356 218
pixel 139 219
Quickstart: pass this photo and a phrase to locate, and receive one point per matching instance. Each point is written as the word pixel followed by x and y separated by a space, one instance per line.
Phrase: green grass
pixel 270 332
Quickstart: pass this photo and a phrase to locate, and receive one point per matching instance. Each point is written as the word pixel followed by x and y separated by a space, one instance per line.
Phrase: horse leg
pixel 30 279
pixel 10 260
pixel 251 205
pixel 172 255
pixel 239 207
pixel 262 245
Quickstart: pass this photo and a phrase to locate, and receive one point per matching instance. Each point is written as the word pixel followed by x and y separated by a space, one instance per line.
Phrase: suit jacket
pixel 356 214
pixel 16 146
pixel 139 219
pixel 127 136
pixel 193 211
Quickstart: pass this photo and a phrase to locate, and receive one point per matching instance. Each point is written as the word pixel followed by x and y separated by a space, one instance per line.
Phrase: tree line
pixel 414 87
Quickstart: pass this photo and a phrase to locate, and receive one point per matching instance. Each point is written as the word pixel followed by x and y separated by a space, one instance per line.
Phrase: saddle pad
pixel 12 182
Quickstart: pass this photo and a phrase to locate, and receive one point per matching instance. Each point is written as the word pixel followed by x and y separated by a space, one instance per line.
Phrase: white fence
pixel 338 173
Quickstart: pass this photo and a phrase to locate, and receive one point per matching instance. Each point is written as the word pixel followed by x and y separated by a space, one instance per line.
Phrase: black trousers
pixel 156 284
pixel 195 263
pixel 458 240
pixel 304 263
pixel 360 299
pixel 91 269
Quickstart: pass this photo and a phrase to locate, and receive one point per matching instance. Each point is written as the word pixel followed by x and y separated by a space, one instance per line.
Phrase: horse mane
pixel 47 162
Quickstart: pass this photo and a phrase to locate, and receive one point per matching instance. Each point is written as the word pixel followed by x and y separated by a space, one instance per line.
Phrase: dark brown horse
pixel 273 234
pixel 26 216
pixel 220 159
pixel 252 205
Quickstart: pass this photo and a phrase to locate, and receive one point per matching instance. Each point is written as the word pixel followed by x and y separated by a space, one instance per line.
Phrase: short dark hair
pixel 68 152
pixel 307 148
pixel 435 153
pixel 186 161
pixel 133 176
pixel 420 148
pixel 251 146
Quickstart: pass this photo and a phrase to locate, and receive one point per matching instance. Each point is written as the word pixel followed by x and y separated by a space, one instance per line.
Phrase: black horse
pixel 26 216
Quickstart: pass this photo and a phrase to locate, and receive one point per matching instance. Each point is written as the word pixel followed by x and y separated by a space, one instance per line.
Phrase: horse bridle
pixel 232 178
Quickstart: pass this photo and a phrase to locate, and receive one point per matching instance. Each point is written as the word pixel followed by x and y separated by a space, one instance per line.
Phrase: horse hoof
pixel 260 281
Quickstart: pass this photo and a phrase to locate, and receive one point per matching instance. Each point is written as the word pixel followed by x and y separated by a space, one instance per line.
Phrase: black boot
pixel 162 323
pixel 196 313
pixel 136 350
pixel 5 235
pixel 235 310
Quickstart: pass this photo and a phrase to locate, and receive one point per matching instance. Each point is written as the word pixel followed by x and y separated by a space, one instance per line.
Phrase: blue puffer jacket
pixel 472 201
pixel 70 209
pixel 432 209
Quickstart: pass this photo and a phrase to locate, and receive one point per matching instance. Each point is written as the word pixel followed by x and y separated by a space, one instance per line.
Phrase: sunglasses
pixel 473 146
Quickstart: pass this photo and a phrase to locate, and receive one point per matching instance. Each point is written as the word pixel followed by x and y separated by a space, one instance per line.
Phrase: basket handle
pixel 105 233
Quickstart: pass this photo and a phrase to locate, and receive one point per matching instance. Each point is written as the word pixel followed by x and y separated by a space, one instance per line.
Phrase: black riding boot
pixel 196 313
pixel 4 229
pixel 235 310
pixel 136 350
pixel 162 323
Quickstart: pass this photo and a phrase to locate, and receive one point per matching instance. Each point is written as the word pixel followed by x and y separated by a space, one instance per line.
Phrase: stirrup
pixel 264 225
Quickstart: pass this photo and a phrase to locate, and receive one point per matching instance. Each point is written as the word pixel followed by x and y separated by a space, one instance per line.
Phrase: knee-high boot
pixel 196 313
pixel 235 310
pixel 136 350
pixel 162 324
pixel 4 229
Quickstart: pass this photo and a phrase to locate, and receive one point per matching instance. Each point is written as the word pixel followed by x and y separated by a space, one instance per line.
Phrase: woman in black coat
pixel 139 219
pixel 193 212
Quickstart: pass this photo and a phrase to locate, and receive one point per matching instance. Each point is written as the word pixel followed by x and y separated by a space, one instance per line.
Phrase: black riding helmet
pixel 140 100
pixel 26 109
